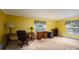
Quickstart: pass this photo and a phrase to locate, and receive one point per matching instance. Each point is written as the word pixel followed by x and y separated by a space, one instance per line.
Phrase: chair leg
pixel 23 42
pixel 27 43
pixel 20 44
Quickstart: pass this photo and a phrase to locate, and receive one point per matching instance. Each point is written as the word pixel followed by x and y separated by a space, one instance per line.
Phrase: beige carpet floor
pixel 56 43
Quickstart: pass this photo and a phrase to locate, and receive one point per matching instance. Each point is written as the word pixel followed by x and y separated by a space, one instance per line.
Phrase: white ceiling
pixel 53 14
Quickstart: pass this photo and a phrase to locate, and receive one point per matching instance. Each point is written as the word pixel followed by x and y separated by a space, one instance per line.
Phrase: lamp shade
pixel 10 25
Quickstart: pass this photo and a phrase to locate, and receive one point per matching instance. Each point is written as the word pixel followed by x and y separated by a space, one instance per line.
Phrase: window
pixel 72 27
pixel 40 26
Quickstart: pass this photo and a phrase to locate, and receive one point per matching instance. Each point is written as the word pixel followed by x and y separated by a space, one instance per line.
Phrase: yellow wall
pixel 24 23
pixel 2 21
pixel 62 27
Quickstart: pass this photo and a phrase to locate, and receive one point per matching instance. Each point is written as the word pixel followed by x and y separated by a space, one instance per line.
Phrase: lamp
pixel 10 25
pixel 31 28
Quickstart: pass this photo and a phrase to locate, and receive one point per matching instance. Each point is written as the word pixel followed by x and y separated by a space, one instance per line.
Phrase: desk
pixel 13 36
pixel 7 38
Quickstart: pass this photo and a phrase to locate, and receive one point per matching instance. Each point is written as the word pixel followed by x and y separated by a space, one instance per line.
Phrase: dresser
pixel 41 35
pixel 55 32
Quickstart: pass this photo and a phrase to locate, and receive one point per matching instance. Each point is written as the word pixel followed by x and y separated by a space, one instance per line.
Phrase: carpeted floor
pixel 56 43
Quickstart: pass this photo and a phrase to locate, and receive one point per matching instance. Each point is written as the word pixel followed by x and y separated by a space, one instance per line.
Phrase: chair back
pixel 22 35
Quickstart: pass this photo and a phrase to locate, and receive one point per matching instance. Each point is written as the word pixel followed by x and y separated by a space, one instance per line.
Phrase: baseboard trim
pixel 70 37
